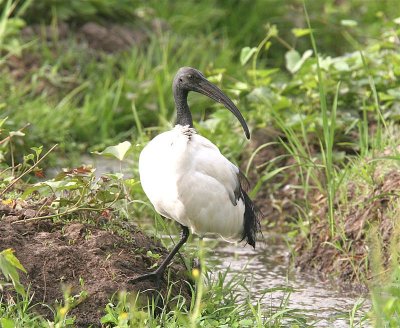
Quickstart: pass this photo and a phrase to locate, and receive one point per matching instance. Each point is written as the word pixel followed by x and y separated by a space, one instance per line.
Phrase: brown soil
pixel 57 255
pixel 366 209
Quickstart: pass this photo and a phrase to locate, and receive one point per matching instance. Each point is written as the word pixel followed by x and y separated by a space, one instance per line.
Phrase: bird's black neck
pixel 183 115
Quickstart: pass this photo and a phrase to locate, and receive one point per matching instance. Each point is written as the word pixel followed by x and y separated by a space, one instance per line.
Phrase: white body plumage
pixel 188 180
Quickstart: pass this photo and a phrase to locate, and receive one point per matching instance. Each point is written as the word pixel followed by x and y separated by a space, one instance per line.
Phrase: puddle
pixel 267 267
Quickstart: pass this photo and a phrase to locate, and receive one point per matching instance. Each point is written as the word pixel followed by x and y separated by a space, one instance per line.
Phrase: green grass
pixel 93 103
pixel 334 113
pixel 83 102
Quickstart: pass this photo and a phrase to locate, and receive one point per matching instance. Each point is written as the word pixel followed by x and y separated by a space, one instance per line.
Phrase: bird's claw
pixel 155 276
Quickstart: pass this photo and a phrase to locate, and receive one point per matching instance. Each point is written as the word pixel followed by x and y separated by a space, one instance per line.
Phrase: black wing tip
pixel 252 216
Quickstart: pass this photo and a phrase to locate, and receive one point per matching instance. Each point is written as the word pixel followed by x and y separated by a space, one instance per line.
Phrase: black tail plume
pixel 252 217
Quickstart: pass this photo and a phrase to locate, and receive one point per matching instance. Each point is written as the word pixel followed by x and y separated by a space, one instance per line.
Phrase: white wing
pixel 187 179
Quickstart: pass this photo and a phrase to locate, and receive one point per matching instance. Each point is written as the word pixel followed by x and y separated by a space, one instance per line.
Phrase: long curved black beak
pixel 210 90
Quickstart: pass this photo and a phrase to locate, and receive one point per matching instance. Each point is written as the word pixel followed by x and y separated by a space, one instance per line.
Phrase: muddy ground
pixel 368 225
pixel 82 257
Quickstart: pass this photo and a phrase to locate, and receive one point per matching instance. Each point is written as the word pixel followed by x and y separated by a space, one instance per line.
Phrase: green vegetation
pixel 319 81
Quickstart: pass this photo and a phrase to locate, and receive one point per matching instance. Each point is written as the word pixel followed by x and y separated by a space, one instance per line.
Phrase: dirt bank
pixel 347 255
pixel 83 257
pixel 362 205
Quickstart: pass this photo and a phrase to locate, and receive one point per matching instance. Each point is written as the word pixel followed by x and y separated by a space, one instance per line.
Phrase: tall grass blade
pixel 328 126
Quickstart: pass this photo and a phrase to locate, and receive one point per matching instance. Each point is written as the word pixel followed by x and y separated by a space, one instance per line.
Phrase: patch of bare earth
pixel 374 208
pixel 57 255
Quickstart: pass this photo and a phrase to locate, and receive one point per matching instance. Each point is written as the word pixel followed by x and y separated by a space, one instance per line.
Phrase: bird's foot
pixel 154 276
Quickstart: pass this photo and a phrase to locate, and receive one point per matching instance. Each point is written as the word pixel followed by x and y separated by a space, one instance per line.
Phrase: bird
pixel 187 179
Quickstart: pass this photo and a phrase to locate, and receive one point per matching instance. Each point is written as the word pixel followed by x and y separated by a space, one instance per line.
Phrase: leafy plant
pixel 119 151
pixel 11 25
pixel 9 266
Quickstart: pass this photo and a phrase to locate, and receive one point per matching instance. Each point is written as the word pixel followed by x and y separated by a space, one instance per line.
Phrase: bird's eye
pixel 180 79
pixel 190 76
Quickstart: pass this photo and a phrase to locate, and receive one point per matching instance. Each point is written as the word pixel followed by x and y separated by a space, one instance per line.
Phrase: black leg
pixel 158 273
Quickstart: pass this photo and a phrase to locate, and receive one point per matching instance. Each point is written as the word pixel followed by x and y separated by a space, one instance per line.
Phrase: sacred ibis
pixel 187 179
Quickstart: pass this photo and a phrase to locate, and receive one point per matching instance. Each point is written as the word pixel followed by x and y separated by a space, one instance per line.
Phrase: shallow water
pixel 267 267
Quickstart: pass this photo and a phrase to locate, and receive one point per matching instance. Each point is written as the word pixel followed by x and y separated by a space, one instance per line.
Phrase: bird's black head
pixel 187 78
pixel 190 79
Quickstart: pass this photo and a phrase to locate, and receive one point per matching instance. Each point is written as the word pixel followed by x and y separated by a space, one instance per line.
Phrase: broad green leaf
pixel 8 266
pixel 130 182
pixel 299 32
pixel 106 196
pixel 29 157
pixel 294 61
pixel 37 150
pixel 153 255
pixel 108 318
pixel 10 257
pixel 119 151
pixel 36 187
pixel 241 86
pixel 53 185
pixel 246 54
pixel 61 185
pixel 348 22
pixel 216 78
pixel 7 323
pixel 292 57
pixel 341 66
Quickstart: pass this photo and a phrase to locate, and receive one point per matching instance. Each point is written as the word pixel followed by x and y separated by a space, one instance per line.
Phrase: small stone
pixel 29 213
